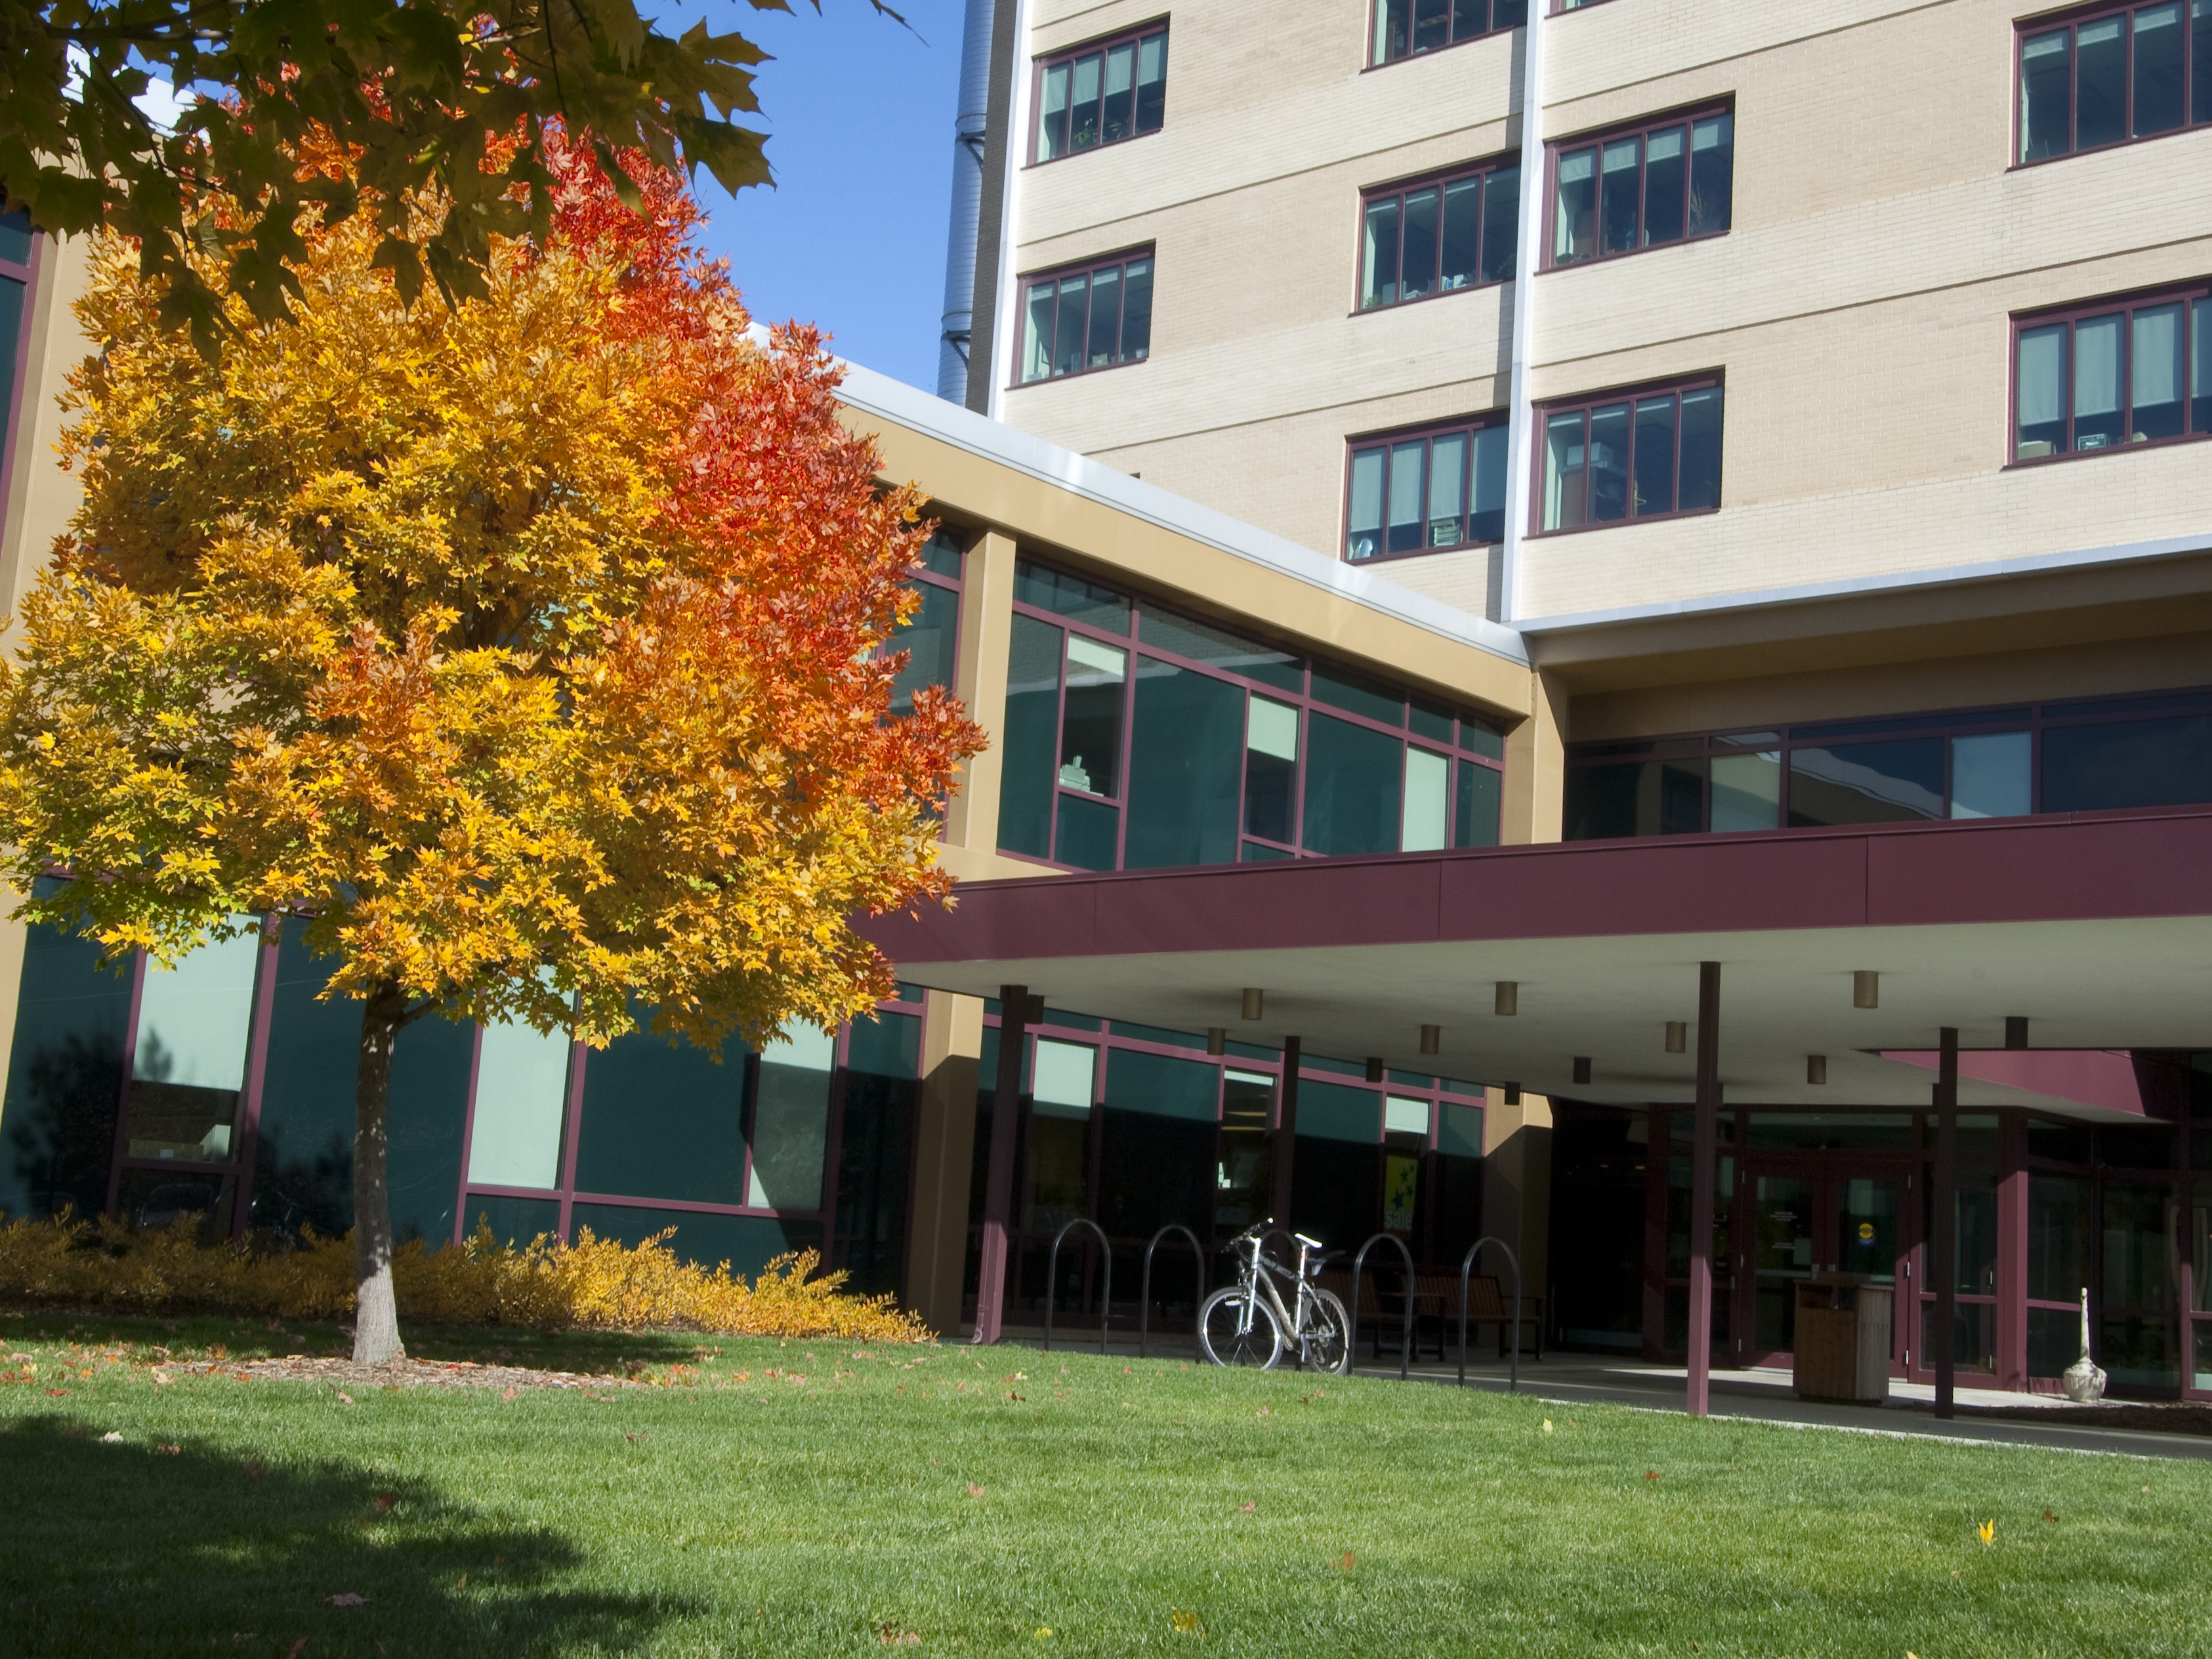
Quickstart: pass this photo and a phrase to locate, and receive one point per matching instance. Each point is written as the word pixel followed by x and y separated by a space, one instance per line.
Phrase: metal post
pixel 1704 1148
pixel 999 1183
pixel 1944 1267
pixel 1287 1131
pixel 1466 1267
pixel 1052 1279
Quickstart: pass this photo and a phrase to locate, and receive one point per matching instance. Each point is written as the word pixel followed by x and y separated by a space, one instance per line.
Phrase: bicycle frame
pixel 1260 1274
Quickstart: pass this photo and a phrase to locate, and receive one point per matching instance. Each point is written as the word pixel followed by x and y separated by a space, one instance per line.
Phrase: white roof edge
pixel 1897 581
pixel 872 393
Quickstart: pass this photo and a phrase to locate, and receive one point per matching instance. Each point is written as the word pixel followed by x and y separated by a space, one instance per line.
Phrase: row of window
pixel 1137 738
pixel 2081 756
pixel 2110 74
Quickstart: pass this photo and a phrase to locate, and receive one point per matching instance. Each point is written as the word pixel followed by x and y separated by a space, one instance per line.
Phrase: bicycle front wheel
pixel 1328 1335
pixel 1235 1329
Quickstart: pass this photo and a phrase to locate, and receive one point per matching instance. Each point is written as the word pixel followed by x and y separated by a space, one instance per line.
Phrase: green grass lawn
pixel 820 1497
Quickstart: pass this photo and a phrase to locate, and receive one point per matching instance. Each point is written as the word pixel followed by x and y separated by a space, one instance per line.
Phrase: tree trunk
pixel 376 1316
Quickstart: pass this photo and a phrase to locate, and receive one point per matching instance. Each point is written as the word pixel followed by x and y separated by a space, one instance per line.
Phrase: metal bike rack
pixel 1466 1267
pixel 1145 1296
pixel 1052 1279
pixel 1406 1341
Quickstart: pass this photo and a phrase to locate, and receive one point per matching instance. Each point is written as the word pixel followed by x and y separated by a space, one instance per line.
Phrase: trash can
pixel 1842 1338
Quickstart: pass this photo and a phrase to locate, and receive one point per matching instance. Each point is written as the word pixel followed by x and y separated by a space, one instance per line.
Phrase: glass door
pixel 1811 1217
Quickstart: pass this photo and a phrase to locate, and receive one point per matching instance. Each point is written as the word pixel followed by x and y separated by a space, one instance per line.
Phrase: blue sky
pixel 859 113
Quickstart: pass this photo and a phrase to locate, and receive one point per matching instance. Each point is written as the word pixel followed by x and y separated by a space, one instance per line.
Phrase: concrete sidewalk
pixel 1757 1395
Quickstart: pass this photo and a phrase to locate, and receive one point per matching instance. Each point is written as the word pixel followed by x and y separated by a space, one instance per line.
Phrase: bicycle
pixel 1249 1323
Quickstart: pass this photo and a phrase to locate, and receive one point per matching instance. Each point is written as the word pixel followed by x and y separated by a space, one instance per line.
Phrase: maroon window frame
pixel 1664 209
pixel 1055 135
pixel 1630 418
pixel 2146 93
pixel 15 334
pixel 1061 348
pixel 2070 432
pixel 1400 29
pixel 1478 518
pixel 1465 244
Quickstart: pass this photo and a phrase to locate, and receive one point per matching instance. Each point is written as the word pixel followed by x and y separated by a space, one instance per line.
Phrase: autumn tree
pixel 532 650
pixel 428 96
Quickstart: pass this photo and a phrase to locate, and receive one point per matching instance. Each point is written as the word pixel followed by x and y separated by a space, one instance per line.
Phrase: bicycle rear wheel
pixel 1328 1335
pixel 1259 1343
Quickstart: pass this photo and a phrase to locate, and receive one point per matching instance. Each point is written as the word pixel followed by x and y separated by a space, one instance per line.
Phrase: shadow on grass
pixel 141 1549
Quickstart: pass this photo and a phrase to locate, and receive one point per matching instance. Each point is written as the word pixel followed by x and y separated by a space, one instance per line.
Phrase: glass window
pixel 65 1071
pixel 1428 491
pixel 1425 817
pixel 1353 785
pixel 522 1090
pixel 188 1065
pixel 1088 833
pixel 1867 782
pixel 1475 808
pixel 931 639
pixel 1646 457
pixel 1102 93
pixel 790 1120
pixel 1030 736
pixel 663 1118
pixel 1071 597
pixel 2130 72
pixel 1747 790
pixel 1991 775
pixel 1645 187
pixel 1091 724
pixel 1219 648
pixel 1410 27
pixel 1358 696
pixel 2118 763
pixel 1186 752
pixel 1429 238
pixel 1271 769
pixel 1087 319
pixel 1643 797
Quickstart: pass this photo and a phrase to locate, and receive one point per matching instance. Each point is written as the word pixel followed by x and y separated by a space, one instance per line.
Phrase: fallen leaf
pixel 639 1439
pixel 346 1598
pixel 975 1491
pixel 464 1584
pixel 1547 1426
pixel 1263 1412
pixel 296 1647
pixel 1987 1532
pixel 384 1500
pixel 255 1466
pixel 344 1398
pixel 113 1437
pixel 2048 1515
pixel 58 1393
pixel 1248 1508
pixel 1017 1398
pixel 1186 1624
pixel 510 1394
pixel 1650 1475
pixel 1347 1561
pixel 169 1451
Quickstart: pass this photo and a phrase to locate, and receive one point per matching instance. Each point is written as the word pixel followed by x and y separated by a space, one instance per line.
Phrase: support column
pixel 2012 1252
pixel 1943 1251
pixel 987 609
pixel 1704 1149
pixel 943 1158
pixel 1281 1166
pixel 999 1184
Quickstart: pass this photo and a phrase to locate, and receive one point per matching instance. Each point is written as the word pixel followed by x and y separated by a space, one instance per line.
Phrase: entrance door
pixel 1808 1216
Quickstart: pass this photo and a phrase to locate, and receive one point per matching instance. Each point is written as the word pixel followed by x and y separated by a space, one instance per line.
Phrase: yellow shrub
pixel 594 1284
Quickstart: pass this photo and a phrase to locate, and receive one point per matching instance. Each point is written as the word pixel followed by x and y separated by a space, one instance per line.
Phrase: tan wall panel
pixel 41 496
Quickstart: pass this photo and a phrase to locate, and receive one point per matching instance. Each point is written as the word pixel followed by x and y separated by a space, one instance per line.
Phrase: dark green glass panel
pixel 1186 765
pixel 1646 798
pixel 1258 853
pixel 888 1045
pixel 1153 1170
pixel 747 1243
pixel 1459 1131
pixel 1067 1021
pixel 1334 1067
pixel 1329 1111
pixel 1890 782
pixel 1453 1086
pixel 1030 738
pixel 13 294
pixel 303 1166
pixel 930 638
pixel 2088 769
pixel 1071 597
pixel 1475 810
pixel 1358 696
pixel 941 554
pixel 429 1105
pixel 514 1220
pixel 1431 723
pixel 1088 831
pixel 1218 648
pixel 874 1157
pixel 1479 739
pixel 16 236
pixel 1336 1192
pixel 1162 1085
pixel 1123 1027
pixel 64 1074
pixel 663 1119
pixel 1410 1080
pixel 1353 787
